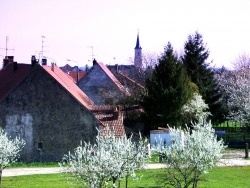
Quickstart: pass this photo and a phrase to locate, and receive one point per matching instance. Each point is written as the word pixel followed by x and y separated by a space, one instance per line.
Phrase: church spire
pixel 137 46
pixel 138 55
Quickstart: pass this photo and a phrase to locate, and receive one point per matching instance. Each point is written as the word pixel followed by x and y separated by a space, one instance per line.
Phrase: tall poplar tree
pixel 168 89
pixel 195 60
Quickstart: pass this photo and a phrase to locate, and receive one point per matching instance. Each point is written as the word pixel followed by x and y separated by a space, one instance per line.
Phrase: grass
pixel 221 177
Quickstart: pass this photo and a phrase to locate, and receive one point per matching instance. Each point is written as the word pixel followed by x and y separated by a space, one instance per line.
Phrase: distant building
pixel 75 73
pixel 138 54
pixel 102 86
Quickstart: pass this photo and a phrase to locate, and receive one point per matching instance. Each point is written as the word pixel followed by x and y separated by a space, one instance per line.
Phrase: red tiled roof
pixel 69 85
pixel 131 81
pixel 10 78
pixel 105 114
pixel 73 74
pixel 111 76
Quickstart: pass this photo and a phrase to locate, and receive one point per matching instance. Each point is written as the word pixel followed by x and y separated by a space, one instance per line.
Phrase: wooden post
pixel 246 151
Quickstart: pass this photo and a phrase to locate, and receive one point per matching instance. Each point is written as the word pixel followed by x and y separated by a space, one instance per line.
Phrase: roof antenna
pixel 6 48
pixel 92 52
pixel 42 50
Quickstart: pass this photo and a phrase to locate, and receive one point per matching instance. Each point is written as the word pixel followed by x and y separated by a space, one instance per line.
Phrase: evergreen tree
pixel 194 59
pixel 168 89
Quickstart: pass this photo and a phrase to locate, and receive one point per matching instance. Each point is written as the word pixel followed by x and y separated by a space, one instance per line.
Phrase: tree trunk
pixel 114 180
pixel 126 182
pixel 1 171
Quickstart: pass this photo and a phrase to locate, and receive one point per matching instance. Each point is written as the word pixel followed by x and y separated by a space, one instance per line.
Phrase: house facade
pixel 46 109
pixel 102 86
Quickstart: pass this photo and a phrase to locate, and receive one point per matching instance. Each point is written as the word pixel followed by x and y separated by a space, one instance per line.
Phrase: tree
pixel 195 60
pixel 195 110
pixel 188 158
pixel 107 161
pixel 9 150
pixel 168 89
pixel 236 86
pixel 242 62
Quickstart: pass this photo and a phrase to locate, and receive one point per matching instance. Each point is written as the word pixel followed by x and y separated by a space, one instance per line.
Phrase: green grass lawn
pixel 226 177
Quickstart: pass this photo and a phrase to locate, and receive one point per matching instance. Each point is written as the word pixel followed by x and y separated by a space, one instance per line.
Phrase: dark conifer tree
pixel 195 60
pixel 168 89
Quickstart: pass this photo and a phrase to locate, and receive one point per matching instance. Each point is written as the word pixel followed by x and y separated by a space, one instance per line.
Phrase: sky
pixel 107 29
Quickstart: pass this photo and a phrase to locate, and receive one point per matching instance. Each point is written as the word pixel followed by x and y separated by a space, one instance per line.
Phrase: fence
pixel 234 136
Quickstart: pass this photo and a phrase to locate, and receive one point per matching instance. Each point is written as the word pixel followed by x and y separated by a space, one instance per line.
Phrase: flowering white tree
pixel 236 87
pixel 9 150
pixel 196 109
pixel 188 159
pixel 109 160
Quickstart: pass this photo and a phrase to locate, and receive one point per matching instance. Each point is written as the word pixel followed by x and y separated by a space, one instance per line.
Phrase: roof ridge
pixel 111 76
pixel 131 80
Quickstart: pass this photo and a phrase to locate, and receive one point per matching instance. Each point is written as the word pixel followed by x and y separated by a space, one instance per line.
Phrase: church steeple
pixel 138 55
pixel 137 46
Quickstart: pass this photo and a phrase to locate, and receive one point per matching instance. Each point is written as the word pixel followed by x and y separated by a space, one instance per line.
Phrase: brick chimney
pixel 33 60
pixel 94 62
pixel 14 66
pixel 7 60
pixel 116 113
pixel 52 66
pixel 44 61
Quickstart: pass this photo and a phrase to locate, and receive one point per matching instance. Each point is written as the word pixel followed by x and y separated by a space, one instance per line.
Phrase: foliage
pixel 191 156
pixel 9 150
pixel 236 85
pixel 110 160
pixel 168 89
pixel 242 62
pixel 195 110
pixel 194 59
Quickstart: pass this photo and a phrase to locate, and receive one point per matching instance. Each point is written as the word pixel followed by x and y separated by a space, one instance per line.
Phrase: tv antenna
pixel 42 50
pixel 92 52
pixel 6 47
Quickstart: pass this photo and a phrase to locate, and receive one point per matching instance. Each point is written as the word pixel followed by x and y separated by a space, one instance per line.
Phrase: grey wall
pixel 99 87
pixel 46 115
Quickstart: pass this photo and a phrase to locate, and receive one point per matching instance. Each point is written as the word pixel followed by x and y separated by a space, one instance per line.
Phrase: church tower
pixel 138 55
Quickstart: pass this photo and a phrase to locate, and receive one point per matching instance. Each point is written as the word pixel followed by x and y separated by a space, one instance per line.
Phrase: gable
pixel 69 85
pixel 11 76
pixel 100 76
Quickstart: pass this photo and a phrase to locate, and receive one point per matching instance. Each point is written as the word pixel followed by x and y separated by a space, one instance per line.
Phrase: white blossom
pixel 107 161
pixel 199 153
pixel 196 109
pixel 9 150
pixel 236 87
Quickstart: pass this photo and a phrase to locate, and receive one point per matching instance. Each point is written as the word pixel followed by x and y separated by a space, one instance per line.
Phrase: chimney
pixel 52 66
pixel 33 60
pixel 14 66
pixel 5 61
pixel 116 113
pixel 11 58
pixel 94 62
pixel 44 61
pixel 116 67
pixel 77 75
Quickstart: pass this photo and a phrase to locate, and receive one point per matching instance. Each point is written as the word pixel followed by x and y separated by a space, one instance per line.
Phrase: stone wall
pixel 50 120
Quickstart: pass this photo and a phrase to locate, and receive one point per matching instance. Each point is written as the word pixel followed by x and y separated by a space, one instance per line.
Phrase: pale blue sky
pixel 111 26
